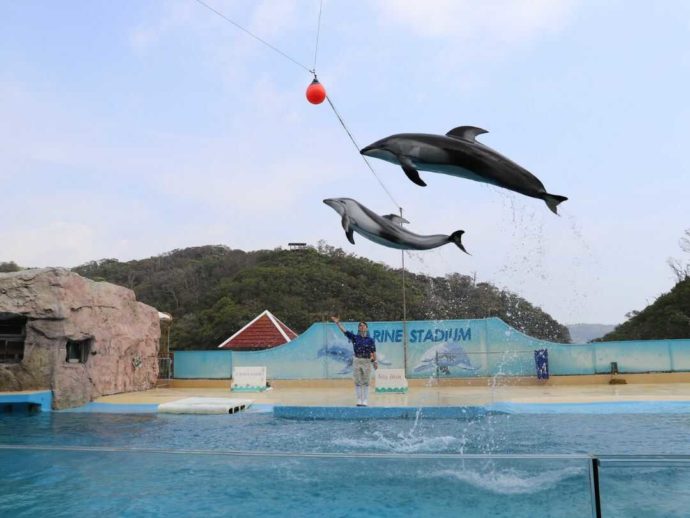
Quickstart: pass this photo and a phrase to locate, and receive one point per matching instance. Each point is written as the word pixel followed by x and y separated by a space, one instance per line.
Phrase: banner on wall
pixel 446 348
pixel 434 348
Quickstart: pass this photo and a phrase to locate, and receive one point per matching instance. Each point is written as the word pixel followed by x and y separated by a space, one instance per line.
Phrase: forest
pixel 212 291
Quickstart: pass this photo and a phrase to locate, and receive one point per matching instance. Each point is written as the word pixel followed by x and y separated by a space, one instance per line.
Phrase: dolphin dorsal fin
pixel 466 132
pixel 394 218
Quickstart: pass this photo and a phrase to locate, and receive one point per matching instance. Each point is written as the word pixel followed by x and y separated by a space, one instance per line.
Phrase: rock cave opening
pixel 12 336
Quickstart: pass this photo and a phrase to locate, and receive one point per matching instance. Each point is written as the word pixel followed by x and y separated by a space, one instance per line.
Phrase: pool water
pixel 251 464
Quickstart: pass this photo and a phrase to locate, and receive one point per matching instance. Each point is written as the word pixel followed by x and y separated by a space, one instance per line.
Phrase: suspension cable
pixel 247 31
pixel 349 134
pixel 318 31
pixel 311 71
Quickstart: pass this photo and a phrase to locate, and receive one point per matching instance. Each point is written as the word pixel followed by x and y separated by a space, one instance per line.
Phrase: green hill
pixel 212 291
pixel 667 317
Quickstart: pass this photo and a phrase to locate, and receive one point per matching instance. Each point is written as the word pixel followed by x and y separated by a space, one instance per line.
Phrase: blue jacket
pixel 363 345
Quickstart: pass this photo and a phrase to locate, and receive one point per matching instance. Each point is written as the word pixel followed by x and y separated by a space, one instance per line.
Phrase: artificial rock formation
pixel 117 337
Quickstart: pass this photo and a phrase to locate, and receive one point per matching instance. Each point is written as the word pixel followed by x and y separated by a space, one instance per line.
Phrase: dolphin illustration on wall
pixel 458 153
pixel 339 354
pixel 386 230
pixel 344 355
pixel 443 357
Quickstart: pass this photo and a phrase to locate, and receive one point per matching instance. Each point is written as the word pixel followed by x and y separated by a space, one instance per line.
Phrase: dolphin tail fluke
pixel 552 201
pixel 456 237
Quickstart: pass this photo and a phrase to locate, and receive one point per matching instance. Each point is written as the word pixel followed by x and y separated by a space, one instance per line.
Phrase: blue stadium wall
pixel 445 348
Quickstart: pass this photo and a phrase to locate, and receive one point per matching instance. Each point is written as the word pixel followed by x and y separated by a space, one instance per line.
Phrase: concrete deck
pixel 341 392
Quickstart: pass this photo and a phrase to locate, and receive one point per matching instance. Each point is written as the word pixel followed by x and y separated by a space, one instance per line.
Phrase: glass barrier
pixel 91 481
pixel 644 485
pixel 88 481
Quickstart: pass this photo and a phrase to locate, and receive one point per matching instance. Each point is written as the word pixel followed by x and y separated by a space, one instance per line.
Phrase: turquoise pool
pixel 251 464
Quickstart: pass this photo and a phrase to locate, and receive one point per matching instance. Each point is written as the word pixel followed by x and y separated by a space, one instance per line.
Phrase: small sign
pixel 249 379
pixel 391 380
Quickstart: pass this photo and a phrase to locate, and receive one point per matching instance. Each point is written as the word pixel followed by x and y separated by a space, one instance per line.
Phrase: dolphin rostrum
pixel 458 153
pixel 386 230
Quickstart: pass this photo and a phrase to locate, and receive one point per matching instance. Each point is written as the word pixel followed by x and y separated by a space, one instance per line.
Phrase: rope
pixel 318 31
pixel 247 31
pixel 349 134
pixel 311 71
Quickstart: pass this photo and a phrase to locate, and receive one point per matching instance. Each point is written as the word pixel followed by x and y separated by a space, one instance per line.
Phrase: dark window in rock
pixel 12 334
pixel 78 350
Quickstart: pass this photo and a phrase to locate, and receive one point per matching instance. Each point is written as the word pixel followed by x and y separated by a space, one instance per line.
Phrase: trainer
pixel 365 356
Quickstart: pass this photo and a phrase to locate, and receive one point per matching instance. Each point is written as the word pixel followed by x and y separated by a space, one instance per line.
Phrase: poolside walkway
pixel 341 393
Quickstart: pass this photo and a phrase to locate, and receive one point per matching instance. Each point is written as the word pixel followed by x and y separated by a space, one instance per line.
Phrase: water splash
pixel 509 481
pixel 403 442
pixel 417 439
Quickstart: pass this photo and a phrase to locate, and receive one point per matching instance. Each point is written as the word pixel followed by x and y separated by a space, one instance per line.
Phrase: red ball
pixel 316 93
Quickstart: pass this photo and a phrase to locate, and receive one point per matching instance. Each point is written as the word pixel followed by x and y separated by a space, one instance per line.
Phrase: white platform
pixel 205 405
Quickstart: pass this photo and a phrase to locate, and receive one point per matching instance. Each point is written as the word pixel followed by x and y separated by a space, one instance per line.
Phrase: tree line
pixel 213 291
pixel 669 316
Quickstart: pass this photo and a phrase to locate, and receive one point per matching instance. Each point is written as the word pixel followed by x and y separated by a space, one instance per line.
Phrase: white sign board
pixel 391 380
pixel 248 379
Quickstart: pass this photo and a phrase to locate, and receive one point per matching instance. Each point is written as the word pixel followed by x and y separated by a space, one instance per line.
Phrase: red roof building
pixel 264 332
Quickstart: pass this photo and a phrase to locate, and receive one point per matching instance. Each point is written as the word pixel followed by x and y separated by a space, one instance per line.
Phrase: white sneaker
pixel 364 403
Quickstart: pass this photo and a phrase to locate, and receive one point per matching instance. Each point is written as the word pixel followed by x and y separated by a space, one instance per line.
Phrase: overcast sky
pixel 132 128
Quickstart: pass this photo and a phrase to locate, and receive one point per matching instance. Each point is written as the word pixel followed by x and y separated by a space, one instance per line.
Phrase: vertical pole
pixel 167 352
pixel 324 341
pixel 438 374
pixel 402 254
pixel 594 479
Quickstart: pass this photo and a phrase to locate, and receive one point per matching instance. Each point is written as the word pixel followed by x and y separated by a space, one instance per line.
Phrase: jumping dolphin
pixel 386 230
pixel 458 153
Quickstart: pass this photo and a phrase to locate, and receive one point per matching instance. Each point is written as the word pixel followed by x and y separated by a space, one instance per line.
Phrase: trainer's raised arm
pixel 337 322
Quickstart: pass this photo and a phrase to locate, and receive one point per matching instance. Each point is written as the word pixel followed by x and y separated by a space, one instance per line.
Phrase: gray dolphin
pixel 386 230
pixel 458 153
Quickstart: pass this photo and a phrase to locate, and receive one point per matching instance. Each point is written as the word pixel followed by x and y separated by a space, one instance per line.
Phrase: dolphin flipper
pixel 346 222
pixel 349 232
pixel 410 170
